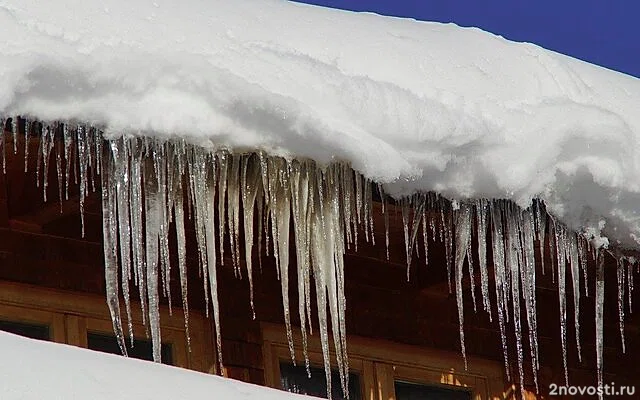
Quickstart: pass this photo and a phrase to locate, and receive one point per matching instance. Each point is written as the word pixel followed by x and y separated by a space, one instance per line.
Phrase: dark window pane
pixel 413 391
pixel 33 331
pixel 295 380
pixel 142 349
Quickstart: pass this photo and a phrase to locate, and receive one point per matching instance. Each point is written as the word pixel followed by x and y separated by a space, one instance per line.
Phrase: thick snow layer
pixel 414 105
pixel 36 370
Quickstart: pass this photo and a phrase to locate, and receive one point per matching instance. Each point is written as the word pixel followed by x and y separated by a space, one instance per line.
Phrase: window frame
pixel 380 363
pixel 71 315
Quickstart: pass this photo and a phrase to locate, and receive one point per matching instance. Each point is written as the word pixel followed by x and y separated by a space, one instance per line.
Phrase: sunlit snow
pixel 40 370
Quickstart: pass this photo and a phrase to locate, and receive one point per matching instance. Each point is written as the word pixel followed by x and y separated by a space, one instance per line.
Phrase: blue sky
pixel 604 32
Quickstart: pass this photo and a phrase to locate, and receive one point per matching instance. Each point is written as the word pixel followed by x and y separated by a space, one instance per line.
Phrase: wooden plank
pixel 76 329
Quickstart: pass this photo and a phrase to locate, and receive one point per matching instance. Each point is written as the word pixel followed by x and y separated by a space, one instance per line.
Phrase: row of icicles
pixel 148 184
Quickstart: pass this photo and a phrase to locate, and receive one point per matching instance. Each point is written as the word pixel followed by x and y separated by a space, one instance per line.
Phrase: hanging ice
pixel 599 316
pixel 463 238
pixel 147 184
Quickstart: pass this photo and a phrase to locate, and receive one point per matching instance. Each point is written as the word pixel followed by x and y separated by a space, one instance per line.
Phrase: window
pixel 30 330
pixel 294 379
pixel 382 370
pixel 83 320
pixel 415 391
pixel 23 320
pixel 141 349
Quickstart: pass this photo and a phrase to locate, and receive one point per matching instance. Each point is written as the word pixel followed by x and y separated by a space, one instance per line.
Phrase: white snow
pixel 415 105
pixel 36 370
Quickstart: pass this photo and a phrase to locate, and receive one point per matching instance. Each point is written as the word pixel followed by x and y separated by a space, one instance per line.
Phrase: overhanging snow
pixel 414 105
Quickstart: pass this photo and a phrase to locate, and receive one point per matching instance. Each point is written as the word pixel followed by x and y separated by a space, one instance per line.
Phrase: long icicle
pixel 462 239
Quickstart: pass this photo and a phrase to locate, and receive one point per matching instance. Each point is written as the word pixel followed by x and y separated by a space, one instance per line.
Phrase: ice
pixel 528 279
pixel 575 283
pixel 560 241
pixel 630 284
pixel 600 316
pixel 620 275
pixel 482 214
pixel 110 241
pixel 501 278
pixel 152 233
pixel 463 238
pixel 251 184
pixel 3 145
pixel 405 205
pixel 120 160
pixel 513 263
pixel 27 136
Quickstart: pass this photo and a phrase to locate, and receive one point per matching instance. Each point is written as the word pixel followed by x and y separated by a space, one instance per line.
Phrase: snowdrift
pixel 36 370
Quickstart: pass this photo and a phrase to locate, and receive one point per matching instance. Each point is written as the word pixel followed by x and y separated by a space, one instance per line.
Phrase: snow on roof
pixel 42 370
pixel 415 105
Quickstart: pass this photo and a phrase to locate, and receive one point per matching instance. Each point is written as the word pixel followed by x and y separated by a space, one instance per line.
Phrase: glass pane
pixel 33 331
pixel 414 391
pixel 142 349
pixel 294 379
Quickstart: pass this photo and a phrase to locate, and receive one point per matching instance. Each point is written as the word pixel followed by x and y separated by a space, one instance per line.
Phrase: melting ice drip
pixel 148 184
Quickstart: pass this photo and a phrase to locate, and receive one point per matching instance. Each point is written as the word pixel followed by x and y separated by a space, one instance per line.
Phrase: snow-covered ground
pixel 37 370
pixel 414 105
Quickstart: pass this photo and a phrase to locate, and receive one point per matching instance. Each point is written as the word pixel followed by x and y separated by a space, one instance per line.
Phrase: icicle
pixel 67 137
pixel 48 139
pixel 425 236
pixel 280 217
pixel 582 255
pixel 599 317
pixel 14 131
pixel 208 218
pixel 620 274
pixel 110 241
pixel 203 207
pixel 121 170
pixel 250 186
pixel 27 135
pixel 540 227
pixel 300 204
pixel 178 211
pixel 575 281
pixel 368 205
pixel 222 191
pixel 497 240
pixel 472 278
pixel 81 140
pixel 59 171
pixel 347 205
pixel 404 204
pixel 3 145
pixel 136 207
pixel 260 208
pixel 385 211
pixel 630 284
pixel 233 212
pixel 152 233
pixel 513 256
pixel 445 232
pixel 528 279
pixel 463 237
pixel 481 217
pixel 159 156
pixel 560 240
